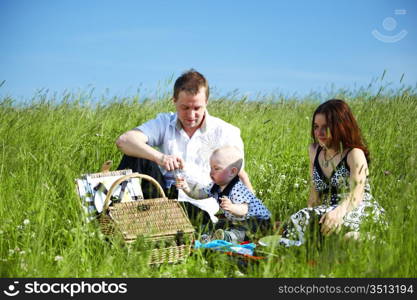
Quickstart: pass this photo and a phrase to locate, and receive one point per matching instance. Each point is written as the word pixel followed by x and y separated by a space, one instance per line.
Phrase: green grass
pixel 49 141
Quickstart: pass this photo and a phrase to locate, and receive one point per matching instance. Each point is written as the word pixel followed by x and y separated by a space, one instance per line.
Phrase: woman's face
pixel 321 130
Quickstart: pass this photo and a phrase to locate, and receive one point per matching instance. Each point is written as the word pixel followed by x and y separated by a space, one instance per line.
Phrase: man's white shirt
pixel 166 133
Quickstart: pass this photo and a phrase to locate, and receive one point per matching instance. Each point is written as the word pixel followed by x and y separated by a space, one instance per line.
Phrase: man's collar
pixel 176 122
pixel 228 188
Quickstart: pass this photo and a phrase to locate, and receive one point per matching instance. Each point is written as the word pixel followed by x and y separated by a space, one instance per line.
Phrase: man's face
pixel 191 108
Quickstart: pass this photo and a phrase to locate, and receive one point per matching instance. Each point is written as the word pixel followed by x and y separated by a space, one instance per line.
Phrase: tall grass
pixel 48 142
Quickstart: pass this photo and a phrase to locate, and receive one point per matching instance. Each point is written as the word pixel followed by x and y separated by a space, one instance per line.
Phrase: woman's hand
pixel 332 221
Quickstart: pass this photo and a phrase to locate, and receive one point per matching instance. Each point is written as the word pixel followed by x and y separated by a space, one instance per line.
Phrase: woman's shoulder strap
pixel 347 151
pixel 345 157
pixel 313 150
pixel 318 150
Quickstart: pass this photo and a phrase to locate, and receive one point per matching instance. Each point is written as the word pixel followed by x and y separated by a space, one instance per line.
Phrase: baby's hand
pixel 226 203
pixel 181 184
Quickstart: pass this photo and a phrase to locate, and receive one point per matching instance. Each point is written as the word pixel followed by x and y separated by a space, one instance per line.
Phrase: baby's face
pixel 221 172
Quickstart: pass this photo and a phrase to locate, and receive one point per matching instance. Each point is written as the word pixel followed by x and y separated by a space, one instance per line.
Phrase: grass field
pixel 49 141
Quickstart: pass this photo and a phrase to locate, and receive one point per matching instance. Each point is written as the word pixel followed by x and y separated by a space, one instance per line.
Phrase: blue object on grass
pixel 221 245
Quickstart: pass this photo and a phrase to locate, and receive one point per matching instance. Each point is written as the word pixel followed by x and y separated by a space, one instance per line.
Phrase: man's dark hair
pixel 190 81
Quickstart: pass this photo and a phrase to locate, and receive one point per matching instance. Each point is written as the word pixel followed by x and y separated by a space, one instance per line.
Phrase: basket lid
pixel 151 218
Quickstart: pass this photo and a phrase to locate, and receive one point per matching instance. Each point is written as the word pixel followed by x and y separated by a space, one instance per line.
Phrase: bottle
pixel 179 174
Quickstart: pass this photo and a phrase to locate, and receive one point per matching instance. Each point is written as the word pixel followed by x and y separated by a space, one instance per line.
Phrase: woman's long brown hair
pixel 344 130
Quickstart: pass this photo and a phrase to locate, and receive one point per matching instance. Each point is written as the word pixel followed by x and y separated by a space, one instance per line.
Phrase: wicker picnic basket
pixel 161 223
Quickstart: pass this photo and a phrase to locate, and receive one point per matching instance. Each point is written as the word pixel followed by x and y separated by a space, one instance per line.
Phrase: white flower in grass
pixel 58 258
pixel 22 252
pixel 166 275
pixel 26 222
pixel 282 176
pixel 296 185
pixel 24 266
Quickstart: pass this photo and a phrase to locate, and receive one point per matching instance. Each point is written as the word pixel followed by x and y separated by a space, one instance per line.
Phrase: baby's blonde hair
pixel 230 155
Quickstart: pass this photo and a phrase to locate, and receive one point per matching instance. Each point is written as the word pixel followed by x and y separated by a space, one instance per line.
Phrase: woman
pixel 340 195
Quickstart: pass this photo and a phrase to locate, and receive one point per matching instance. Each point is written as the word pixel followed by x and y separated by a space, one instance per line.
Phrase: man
pixel 184 139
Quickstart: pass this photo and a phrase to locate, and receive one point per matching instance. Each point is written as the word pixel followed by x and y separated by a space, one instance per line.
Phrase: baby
pixel 244 212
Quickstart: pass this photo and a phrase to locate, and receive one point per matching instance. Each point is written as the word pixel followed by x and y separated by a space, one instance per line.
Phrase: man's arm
pixel 134 143
pixel 244 177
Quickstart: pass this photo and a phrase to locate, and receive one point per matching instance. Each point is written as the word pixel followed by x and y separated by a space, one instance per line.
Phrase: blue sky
pixel 256 47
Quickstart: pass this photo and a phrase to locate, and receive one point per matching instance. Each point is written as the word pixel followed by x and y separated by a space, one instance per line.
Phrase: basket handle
pixel 126 177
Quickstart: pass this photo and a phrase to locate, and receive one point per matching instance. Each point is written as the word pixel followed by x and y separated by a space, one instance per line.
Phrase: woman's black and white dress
pixel 331 191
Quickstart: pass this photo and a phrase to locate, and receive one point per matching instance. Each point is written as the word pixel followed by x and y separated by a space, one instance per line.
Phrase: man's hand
pixel 171 162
